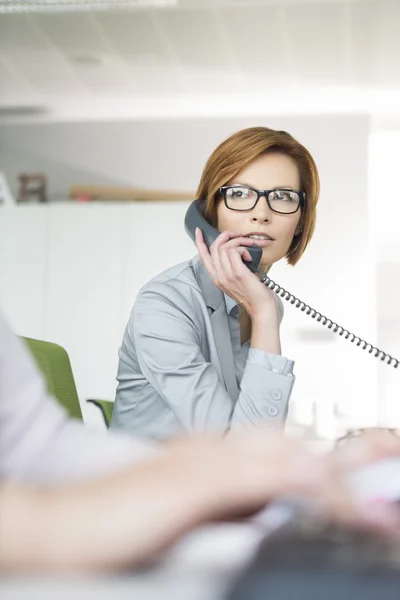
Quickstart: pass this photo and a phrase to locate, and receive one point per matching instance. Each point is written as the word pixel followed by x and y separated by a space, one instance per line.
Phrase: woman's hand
pixel 339 501
pixel 224 264
pixel 269 465
pixel 241 473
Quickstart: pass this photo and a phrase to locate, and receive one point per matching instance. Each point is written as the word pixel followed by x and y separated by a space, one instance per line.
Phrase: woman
pixel 202 350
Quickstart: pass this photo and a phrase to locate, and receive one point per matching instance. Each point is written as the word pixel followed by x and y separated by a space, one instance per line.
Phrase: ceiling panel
pixel 156 80
pixel 216 80
pixel 107 79
pixel 16 33
pixel 244 4
pixel 134 37
pixel 196 37
pixel 388 43
pixel 365 19
pixel 205 4
pixel 202 47
pixel 257 39
pixel 319 39
pixel 47 73
pixel 14 88
pixel 73 34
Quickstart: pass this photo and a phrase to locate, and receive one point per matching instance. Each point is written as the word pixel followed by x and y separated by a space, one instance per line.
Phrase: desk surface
pixel 145 587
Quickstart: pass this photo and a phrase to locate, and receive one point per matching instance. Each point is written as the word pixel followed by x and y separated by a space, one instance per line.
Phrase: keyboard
pixel 315 560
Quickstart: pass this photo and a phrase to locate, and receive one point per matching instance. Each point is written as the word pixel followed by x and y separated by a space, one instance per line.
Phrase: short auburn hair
pixel 237 152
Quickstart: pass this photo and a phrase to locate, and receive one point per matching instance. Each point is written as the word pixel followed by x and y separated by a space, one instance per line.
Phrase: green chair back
pixel 54 363
pixel 106 408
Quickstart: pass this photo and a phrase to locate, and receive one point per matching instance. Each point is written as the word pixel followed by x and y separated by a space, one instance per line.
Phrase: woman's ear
pixel 299 229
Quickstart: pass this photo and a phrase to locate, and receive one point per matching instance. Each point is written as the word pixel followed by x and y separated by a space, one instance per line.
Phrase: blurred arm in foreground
pixel 129 517
pixel 72 499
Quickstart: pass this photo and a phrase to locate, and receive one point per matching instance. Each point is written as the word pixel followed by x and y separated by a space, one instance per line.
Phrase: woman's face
pixel 268 172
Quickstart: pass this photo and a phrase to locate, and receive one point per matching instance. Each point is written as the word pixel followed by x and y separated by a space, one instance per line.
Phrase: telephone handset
pixel 195 218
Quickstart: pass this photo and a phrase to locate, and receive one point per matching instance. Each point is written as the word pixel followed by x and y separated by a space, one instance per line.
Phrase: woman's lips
pixel 260 239
pixel 262 243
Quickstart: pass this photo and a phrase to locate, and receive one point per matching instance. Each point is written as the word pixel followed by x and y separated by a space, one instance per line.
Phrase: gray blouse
pixel 182 366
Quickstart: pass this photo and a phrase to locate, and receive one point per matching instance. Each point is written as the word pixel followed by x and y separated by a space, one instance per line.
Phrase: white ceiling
pixel 210 55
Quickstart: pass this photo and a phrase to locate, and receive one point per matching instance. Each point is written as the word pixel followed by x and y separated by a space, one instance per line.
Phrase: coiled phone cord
pixel 314 314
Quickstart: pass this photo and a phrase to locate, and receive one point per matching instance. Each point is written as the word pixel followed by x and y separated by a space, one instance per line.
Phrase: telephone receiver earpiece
pixel 195 218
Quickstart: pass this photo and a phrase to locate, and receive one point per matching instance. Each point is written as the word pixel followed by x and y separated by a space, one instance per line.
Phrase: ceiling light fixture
pixel 29 6
pixel 87 60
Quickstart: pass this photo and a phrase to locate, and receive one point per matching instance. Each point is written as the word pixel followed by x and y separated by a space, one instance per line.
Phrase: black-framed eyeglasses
pixel 280 200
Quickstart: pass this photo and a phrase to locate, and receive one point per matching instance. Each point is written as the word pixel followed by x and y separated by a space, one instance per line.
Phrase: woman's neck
pixel 264 268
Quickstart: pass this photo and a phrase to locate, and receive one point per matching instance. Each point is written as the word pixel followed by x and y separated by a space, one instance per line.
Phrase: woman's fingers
pixel 230 266
pixel 204 253
pixel 227 275
pixel 239 257
pixel 234 268
pixel 223 238
pixel 371 446
pixel 232 242
pixel 339 497
pixel 215 251
pixel 224 259
pixel 219 273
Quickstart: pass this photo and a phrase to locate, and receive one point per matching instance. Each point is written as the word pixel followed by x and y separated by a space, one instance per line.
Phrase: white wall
pixel 70 273
pixel 385 218
pixel 389 381
pixel 156 154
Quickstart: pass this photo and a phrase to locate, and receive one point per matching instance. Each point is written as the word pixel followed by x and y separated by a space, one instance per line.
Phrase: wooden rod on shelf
pixel 100 192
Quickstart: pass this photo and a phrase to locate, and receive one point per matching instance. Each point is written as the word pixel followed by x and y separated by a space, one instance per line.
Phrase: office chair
pixel 54 363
